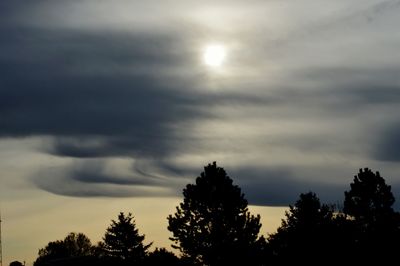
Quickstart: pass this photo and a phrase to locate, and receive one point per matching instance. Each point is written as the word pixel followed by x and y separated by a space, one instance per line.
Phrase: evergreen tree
pixel 369 200
pixel 212 226
pixel 376 225
pixel 122 240
pixel 306 233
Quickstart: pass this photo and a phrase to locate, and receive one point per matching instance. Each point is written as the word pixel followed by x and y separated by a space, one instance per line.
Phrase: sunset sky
pixel 109 106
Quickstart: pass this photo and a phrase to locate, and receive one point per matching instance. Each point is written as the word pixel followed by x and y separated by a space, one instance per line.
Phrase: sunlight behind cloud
pixel 214 55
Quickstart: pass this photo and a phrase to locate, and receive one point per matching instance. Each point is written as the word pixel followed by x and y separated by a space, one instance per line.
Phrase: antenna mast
pixel 1 246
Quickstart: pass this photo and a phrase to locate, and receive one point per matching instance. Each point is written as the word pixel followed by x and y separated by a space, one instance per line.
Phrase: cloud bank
pixel 125 100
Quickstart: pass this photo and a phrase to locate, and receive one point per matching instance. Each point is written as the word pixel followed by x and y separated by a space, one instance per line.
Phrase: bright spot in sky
pixel 214 55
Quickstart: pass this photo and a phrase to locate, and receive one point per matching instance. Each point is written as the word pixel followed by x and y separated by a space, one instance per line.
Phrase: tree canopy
pixel 74 245
pixel 162 257
pixel 376 230
pixel 123 241
pixel 306 233
pixel 16 263
pixel 369 200
pixel 212 225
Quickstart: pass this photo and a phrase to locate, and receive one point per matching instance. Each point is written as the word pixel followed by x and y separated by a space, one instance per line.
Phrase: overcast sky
pixel 110 102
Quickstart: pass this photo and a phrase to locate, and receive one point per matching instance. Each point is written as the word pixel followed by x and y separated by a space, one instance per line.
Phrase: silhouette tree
pixel 162 257
pixel 369 200
pixel 306 233
pixel 123 241
pixel 376 225
pixel 212 226
pixel 74 245
pixel 16 263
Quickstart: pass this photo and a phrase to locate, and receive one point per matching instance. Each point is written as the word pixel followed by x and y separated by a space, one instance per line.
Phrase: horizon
pixel 93 224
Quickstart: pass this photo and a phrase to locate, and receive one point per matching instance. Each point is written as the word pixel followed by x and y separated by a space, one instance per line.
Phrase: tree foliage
pixel 123 241
pixel 16 263
pixel 74 245
pixel 306 233
pixel 376 226
pixel 212 225
pixel 369 200
pixel 161 256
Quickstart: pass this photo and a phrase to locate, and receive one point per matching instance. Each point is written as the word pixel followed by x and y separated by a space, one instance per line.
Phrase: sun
pixel 214 55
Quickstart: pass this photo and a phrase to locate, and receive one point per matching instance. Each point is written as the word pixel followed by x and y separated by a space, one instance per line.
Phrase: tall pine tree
pixel 368 203
pixel 212 226
pixel 123 241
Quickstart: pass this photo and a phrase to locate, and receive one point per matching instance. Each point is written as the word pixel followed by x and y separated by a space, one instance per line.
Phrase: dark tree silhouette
pixel 369 200
pixel 123 241
pixel 161 256
pixel 376 225
pixel 212 226
pixel 306 233
pixel 74 245
pixel 16 263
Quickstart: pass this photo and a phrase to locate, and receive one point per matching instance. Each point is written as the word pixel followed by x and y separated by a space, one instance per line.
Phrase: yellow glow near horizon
pixel 214 55
pixel 53 222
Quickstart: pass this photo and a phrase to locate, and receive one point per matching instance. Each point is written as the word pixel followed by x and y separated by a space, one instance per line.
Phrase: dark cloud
pixel 348 88
pixel 262 186
pixel 87 85
pixel 388 143
pixel 88 90
pixel 93 179
pixel 281 186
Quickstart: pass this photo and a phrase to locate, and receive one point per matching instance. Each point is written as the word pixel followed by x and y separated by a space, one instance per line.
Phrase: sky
pixel 109 106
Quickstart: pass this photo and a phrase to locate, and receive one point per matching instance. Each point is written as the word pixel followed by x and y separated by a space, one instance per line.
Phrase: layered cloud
pixel 126 104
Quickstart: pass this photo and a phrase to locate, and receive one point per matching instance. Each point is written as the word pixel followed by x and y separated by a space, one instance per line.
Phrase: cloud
pixel 81 85
pixel 282 186
pixel 103 178
pixel 297 103
pixel 387 146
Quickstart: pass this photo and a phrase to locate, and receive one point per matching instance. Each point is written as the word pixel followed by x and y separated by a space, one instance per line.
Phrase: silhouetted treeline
pixel 16 263
pixel 213 226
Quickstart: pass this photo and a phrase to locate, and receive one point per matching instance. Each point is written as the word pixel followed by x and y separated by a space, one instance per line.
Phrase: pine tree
pixel 369 202
pixel 123 241
pixel 212 226
pixel 306 234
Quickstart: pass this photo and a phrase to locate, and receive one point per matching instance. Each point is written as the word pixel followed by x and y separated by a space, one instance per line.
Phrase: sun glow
pixel 214 55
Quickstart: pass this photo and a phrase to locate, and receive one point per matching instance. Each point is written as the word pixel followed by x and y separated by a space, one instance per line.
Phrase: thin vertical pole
pixel 1 246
